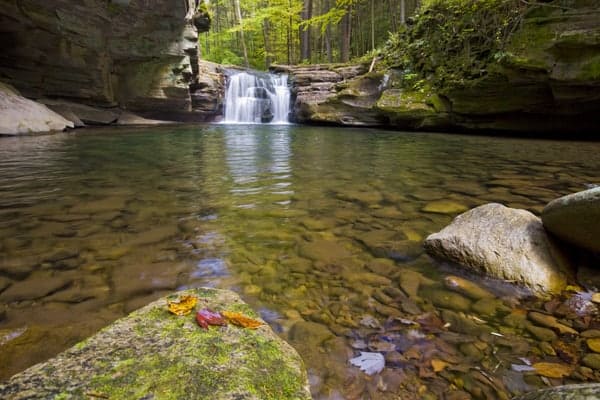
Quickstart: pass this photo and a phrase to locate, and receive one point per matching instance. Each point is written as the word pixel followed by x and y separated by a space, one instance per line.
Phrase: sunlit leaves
pixel 241 320
pixel 183 305
pixel 552 370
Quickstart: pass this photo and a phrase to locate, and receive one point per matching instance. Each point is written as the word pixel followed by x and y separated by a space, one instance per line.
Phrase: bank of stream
pixel 319 229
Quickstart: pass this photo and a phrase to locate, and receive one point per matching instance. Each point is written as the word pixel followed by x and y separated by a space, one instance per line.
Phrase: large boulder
pixel 21 115
pixel 504 243
pixel 575 218
pixel 154 354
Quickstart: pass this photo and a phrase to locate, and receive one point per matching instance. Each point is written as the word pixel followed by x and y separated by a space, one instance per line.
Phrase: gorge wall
pixel 547 82
pixel 138 55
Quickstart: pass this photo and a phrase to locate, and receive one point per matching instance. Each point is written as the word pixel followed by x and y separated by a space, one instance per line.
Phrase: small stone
pixel 36 286
pixel 594 344
pixel 444 207
pixel 459 323
pixel 591 333
pixel 446 299
pixel 328 251
pixel 252 290
pixel 466 287
pixel 547 348
pixel 592 360
pixel 551 322
pixel 471 351
pixel 543 334
pixel 4 283
pixel 489 307
pixel 18 267
pixel 387 311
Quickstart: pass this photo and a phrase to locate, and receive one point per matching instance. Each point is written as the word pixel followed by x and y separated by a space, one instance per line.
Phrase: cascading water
pixel 261 98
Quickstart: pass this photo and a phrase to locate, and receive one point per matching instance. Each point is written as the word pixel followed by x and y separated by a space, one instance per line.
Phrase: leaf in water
pixel 241 320
pixel 521 368
pixel 381 345
pixel 182 306
pixel 358 344
pixel 206 317
pixel 438 365
pixel 370 322
pixel 566 352
pixel 552 370
pixel 370 363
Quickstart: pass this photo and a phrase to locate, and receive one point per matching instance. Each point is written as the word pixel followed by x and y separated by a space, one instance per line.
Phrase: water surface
pixel 318 228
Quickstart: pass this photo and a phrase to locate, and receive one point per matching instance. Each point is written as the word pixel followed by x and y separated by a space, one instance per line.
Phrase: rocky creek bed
pixel 320 230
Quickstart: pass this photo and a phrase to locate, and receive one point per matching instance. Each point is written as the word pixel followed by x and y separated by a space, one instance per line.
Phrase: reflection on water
pixel 318 228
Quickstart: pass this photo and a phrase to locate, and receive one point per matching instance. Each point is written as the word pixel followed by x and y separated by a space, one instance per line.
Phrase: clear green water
pixel 319 228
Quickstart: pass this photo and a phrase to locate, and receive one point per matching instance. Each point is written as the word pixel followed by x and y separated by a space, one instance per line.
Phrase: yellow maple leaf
pixel 241 320
pixel 552 370
pixel 438 365
pixel 183 306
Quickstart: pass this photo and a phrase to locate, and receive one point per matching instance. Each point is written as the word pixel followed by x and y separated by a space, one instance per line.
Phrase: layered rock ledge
pixel 154 354
pixel 128 53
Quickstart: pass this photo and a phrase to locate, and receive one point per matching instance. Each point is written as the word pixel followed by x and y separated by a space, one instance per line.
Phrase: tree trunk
pixel 403 12
pixel 305 42
pixel 238 12
pixel 346 34
pixel 266 33
pixel 373 25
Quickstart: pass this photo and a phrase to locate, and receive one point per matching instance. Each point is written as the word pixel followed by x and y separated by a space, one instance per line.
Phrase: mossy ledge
pixel 154 354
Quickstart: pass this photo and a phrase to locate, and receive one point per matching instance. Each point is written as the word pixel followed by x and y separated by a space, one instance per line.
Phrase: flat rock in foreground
pixel 503 243
pixel 152 354
pixel 575 218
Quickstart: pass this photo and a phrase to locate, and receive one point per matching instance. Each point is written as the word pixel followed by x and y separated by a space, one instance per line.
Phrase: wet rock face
pixel 153 354
pixel 504 243
pixel 576 218
pixel 323 95
pixel 128 53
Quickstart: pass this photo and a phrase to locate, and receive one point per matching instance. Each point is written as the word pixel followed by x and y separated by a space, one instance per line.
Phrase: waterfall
pixel 261 98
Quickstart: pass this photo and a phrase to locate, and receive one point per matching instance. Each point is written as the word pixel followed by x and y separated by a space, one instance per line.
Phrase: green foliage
pixel 452 41
pixel 225 57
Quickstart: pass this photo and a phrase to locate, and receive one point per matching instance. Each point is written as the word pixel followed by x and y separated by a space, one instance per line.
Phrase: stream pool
pixel 320 229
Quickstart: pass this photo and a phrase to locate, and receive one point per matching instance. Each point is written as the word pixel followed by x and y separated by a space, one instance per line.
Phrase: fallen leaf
pixel 438 365
pixel 566 352
pixel 370 363
pixel 241 320
pixel 521 368
pixel 206 317
pixel 182 306
pixel 552 370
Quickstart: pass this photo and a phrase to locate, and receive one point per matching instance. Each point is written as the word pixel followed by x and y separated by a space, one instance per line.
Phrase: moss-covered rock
pixel 537 72
pixel 154 354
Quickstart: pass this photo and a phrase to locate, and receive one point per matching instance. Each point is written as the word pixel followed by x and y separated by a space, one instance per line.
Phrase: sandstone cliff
pixel 136 54
pixel 548 81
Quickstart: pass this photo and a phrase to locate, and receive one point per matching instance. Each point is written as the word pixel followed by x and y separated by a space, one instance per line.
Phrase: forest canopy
pixel 441 42
pixel 258 33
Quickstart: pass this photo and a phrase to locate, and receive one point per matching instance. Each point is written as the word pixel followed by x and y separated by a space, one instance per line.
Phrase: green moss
pixel 220 362
pixel 590 71
pixel 529 44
